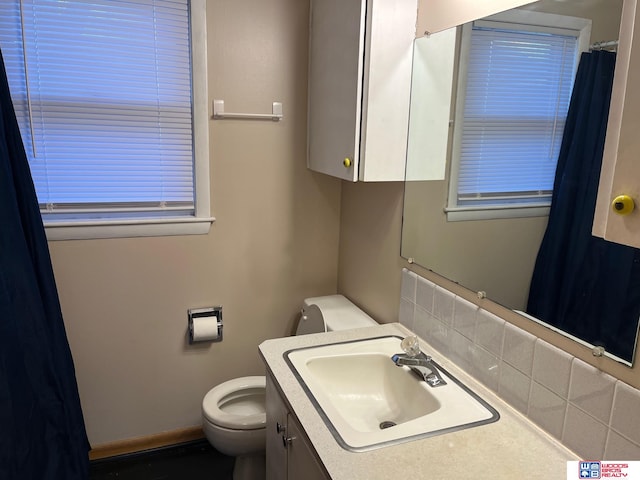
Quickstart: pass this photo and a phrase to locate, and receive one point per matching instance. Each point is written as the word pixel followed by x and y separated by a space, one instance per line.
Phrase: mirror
pixel 496 255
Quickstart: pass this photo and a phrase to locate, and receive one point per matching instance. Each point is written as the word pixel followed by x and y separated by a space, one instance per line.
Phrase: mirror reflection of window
pixel 515 78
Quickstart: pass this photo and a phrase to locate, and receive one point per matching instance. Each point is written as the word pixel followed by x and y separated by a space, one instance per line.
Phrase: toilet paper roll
pixel 203 329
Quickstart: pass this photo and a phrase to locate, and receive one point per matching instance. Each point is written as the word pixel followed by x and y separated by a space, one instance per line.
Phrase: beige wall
pixel 370 265
pixel 605 14
pixel 275 242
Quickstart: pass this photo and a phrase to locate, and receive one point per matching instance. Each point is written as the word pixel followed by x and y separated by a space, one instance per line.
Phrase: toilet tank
pixel 332 312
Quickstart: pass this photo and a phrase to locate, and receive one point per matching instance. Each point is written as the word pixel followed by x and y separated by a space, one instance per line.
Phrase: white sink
pixel 368 402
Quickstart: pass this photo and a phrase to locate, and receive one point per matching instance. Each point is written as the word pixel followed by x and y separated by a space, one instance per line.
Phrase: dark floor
pixel 189 461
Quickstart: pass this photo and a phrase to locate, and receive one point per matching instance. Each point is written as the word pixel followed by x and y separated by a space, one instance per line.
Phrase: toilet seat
pixel 250 416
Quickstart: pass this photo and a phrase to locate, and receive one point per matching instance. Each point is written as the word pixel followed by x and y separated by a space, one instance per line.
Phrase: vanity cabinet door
pixel 290 455
pixel 276 452
pixel 302 462
pixel 620 173
pixel 360 57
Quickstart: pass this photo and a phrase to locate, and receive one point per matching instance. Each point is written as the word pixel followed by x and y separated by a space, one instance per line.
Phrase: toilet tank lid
pixel 339 313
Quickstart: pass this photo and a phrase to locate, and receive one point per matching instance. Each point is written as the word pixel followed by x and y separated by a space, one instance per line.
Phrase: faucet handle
pixel 411 346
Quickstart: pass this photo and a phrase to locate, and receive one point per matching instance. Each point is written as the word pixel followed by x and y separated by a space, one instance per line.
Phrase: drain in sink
pixel 387 424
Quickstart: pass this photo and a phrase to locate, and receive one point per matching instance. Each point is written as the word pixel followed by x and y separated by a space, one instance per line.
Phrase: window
pixel 516 76
pixel 111 101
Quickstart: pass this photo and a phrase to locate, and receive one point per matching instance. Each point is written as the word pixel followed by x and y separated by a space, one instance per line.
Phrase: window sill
pixel 86 230
pixel 461 214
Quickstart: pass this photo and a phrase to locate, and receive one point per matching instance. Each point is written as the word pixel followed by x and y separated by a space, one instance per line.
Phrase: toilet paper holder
pixel 194 314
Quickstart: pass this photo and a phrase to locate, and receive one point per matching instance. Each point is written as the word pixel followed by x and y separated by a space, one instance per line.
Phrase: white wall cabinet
pixel 620 173
pixel 290 455
pixel 359 87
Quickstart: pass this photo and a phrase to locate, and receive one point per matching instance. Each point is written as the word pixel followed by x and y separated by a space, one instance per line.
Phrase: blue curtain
pixel 582 284
pixel 42 433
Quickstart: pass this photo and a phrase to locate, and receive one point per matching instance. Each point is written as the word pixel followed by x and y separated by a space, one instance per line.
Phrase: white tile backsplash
pixel 443 304
pixel 517 349
pixel 408 286
pixel 439 334
pixel 490 332
pixel 591 390
pixel 461 351
pixel 423 323
pixel 625 417
pixel 618 447
pixel 552 367
pixel 592 413
pixel 485 367
pixel 547 409
pixel 584 434
pixel 514 387
pixel 424 294
pixel 407 313
pixel 464 320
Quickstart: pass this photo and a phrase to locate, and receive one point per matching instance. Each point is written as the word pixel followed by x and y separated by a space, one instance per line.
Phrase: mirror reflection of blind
pixel 517 96
pixel 110 90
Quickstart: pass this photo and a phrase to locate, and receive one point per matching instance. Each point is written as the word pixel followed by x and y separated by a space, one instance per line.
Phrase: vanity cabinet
pixel 359 87
pixel 620 173
pixel 289 452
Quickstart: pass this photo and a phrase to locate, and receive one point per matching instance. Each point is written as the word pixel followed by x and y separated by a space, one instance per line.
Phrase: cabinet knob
pixel 623 205
pixel 280 428
pixel 347 162
pixel 286 441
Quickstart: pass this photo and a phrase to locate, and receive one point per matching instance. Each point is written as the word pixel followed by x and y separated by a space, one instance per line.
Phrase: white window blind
pixel 518 88
pixel 103 93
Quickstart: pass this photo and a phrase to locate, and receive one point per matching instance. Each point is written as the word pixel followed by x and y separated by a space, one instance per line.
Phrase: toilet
pixel 233 413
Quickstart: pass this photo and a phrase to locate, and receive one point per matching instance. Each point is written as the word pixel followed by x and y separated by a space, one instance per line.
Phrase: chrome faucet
pixel 418 362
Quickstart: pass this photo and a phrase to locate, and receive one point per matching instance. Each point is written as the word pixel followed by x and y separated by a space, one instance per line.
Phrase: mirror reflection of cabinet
pixel 620 168
pixel 359 84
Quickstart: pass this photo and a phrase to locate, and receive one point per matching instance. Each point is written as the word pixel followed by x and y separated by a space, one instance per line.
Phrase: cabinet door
pixel 620 166
pixel 302 462
pixel 391 29
pixel 276 428
pixel 359 87
pixel 336 56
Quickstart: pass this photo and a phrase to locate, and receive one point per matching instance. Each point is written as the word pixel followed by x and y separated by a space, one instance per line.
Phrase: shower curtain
pixel 582 284
pixel 42 433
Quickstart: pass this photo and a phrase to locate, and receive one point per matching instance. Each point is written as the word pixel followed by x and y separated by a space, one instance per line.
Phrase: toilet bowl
pixel 233 420
pixel 233 413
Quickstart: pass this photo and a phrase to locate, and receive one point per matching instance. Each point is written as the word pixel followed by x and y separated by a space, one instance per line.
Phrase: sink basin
pixel 368 402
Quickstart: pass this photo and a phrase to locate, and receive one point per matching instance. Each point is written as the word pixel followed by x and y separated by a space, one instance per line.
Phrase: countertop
pixel 511 448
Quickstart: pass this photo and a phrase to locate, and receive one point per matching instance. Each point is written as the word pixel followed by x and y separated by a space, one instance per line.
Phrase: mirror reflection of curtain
pixel 42 432
pixel 579 280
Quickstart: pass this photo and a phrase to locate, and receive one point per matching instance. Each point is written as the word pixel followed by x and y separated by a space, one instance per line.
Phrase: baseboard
pixel 138 444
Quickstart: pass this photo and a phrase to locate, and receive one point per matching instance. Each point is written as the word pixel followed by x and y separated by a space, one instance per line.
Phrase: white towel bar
pixel 220 114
